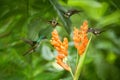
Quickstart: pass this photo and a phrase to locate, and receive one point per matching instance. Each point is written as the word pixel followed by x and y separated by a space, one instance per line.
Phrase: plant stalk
pixel 81 62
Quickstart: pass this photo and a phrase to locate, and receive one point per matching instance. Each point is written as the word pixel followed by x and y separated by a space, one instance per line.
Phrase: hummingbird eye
pixel 54 22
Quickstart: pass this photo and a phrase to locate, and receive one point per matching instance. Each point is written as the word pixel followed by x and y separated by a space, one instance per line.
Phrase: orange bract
pixel 62 48
pixel 80 38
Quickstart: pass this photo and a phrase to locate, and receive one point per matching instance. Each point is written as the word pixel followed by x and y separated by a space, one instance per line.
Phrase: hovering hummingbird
pixel 47 31
pixel 53 22
pixel 42 35
pixel 33 44
pixel 95 31
pixel 71 12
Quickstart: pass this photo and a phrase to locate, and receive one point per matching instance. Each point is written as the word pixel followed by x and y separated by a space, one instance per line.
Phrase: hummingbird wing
pixel 97 31
pixel 73 11
pixel 30 42
pixel 32 49
pixel 45 32
pixel 28 51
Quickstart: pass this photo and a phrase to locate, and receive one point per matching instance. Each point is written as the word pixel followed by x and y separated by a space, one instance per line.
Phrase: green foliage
pixel 26 18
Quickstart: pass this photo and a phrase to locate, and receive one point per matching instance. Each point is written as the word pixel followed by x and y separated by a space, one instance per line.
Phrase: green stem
pixel 77 60
pixel 71 73
pixel 81 62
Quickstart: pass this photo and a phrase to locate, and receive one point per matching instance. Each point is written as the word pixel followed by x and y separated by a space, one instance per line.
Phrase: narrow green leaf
pixel 60 11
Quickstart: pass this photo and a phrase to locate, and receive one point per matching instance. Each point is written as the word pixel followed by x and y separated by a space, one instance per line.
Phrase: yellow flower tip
pixel 60 57
pixel 65 40
pixel 85 22
pixel 65 43
pixel 55 31
pixel 75 28
pixel 50 41
pixel 63 65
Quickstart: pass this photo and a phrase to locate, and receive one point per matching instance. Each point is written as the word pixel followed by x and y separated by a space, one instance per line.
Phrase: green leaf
pixel 110 19
pixel 46 53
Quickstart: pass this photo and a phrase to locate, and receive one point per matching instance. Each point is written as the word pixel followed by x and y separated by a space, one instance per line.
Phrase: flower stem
pixel 71 73
pixel 81 62
pixel 77 59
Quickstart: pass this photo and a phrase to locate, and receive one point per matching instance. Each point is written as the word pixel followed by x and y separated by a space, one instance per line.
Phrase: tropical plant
pixel 28 19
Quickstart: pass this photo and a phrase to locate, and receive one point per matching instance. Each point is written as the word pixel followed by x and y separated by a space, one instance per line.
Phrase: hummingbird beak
pixel 49 22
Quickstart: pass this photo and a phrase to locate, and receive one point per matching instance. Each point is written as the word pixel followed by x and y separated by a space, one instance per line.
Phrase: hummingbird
pixel 47 31
pixel 33 44
pixel 43 34
pixel 71 12
pixel 95 31
pixel 53 22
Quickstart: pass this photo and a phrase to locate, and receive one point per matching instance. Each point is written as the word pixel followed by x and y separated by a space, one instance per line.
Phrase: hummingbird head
pixel 67 14
pixel 53 22
pixel 70 13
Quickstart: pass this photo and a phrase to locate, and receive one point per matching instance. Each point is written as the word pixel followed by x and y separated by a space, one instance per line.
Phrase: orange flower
pixel 80 38
pixel 62 48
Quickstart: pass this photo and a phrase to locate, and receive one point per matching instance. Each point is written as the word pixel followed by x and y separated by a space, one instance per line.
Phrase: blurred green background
pixel 25 18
